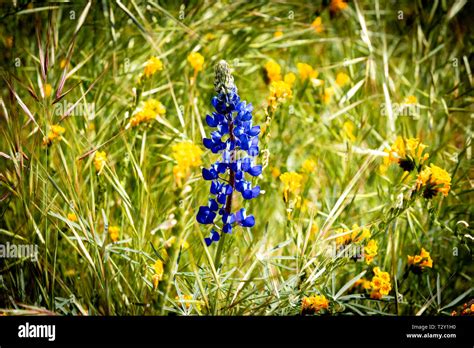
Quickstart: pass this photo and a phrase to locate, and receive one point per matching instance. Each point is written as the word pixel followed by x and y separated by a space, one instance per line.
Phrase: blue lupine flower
pixel 235 136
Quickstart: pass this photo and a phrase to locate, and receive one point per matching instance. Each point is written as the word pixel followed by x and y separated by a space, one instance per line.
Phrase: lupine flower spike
pixel 236 140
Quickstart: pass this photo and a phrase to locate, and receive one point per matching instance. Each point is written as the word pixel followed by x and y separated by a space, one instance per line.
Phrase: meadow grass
pixel 81 66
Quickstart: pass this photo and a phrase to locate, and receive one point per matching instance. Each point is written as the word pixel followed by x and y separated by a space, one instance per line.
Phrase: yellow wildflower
pixel 370 251
pixel 72 217
pixel 54 135
pixel 153 65
pixel 278 34
pixel 196 60
pixel 318 25
pixel 380 284
pixel 291 184
pixel 338 5
pixel 422 260
pixel 152 109
pixel 308 166
pixel 406 153
pixel 314 304
pixel 306 71
pixel 411 100
pixel 275 172
pixel 62 63
pixel 342 79
pixel 47 90
pixel 187 155
pixel 273 71
pixel 100 159
pixel 433 179
pixel 114 233
pixel 280 91
pixel 348 128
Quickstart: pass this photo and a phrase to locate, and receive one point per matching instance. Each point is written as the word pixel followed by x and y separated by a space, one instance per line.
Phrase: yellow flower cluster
pixel 100 159
pixel 358 235
pixel 54 135
pixel 292 182
pixel 158 276
pixel 273 71
pixel 433 179
pixel 314 304
pixel 187 155
pixel 196 60
pixel 380 284
pixel 152 108
pixel 317 25
pixel 370 251
pixel 153 65
pixel 406 153
pixel 411 100
pixel 114 233
pixel 422 260
pixel 306 71
pixel 280 91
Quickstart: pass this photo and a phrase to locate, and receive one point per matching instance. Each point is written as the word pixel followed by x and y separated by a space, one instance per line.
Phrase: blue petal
pixel 255 171
pixel 249 221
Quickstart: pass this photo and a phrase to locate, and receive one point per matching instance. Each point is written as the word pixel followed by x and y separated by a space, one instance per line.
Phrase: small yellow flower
pixel 47 90
pixel 380 284
pixel 280 92
pixel 292 182
pixel 308 166
pixel 153 65
pixel 275 172
pixel 54 135
pixel 187 156
pixel 338 5
pixel 342 79
pixel 151 109
pixel 318 25
pixel 72 217
pixel 411 100
pixel 422 260
pixel 348 128
pixel 62 63
pixel 314 304
pixel 114 233
pixel 278 34
pixel 273 71
pixel 370 251
pixel 100 159
pixel 196 60
pixel 406 153
pixel 434 179
pixel 306 71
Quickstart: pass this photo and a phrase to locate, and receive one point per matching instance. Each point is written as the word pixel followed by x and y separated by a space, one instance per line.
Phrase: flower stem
pixel 228 203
